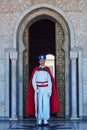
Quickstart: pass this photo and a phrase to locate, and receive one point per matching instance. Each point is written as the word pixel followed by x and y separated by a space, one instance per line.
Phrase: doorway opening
pixel 45 37
pixel 41 41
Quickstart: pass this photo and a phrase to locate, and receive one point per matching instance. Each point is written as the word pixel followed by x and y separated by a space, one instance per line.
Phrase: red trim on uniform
pixel 41 86
pixel 42 82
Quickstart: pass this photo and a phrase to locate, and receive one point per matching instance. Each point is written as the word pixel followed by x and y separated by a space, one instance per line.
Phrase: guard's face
pixel 42 62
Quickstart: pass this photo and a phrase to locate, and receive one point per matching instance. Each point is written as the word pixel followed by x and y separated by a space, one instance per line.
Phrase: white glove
pixel 49 94
pixel 36 91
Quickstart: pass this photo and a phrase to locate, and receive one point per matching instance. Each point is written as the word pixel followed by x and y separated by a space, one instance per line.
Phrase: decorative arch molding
pixel 30 16
pixel 35 12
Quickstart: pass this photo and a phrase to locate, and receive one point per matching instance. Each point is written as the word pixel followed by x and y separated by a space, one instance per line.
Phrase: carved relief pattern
pixel 60 68
pixel 25 67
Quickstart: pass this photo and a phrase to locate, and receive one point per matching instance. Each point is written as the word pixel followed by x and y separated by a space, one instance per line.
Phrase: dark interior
pixel 41 41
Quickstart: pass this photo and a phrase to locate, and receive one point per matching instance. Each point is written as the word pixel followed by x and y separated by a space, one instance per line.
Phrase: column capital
pixel 73 54
pixel 14 55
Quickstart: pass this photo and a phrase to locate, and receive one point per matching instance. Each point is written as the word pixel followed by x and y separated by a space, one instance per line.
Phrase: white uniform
pixel 43 86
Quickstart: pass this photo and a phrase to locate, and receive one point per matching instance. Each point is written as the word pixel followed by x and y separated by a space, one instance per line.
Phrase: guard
pixel 42 99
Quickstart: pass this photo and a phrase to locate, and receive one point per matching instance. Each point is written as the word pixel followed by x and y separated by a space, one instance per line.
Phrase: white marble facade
pixel 12 13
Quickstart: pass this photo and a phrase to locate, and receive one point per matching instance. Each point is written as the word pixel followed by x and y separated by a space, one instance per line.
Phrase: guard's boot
pixel 39 122
pixel 46 122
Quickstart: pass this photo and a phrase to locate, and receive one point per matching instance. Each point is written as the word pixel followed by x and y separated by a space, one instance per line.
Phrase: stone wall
pixel 11 10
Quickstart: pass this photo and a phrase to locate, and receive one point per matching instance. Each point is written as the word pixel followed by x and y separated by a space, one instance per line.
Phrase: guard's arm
pixel 34 82
pixel 49 85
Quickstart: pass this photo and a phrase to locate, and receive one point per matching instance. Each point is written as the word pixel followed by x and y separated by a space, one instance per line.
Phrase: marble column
pixel 73 56
pixel 13 57
pixel 7 82
pixel 80 84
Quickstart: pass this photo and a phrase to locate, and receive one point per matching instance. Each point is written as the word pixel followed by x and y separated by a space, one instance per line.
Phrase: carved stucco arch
pixel 31 15
pixel 35 11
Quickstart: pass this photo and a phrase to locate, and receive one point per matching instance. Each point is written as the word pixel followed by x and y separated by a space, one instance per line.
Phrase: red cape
pixel 54 102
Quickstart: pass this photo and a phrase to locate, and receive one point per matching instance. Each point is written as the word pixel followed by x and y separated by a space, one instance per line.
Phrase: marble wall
pixel 12 10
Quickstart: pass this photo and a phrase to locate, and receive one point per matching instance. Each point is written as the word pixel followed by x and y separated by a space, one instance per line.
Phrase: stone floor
pixel 54 124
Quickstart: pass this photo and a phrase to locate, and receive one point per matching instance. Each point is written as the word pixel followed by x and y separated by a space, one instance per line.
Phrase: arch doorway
pixel 45 36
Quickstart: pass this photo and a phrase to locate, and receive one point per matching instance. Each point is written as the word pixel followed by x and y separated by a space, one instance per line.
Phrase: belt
pixel 42 84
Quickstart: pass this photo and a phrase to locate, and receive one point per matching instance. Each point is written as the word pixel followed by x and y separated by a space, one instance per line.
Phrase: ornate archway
pixel 30 16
